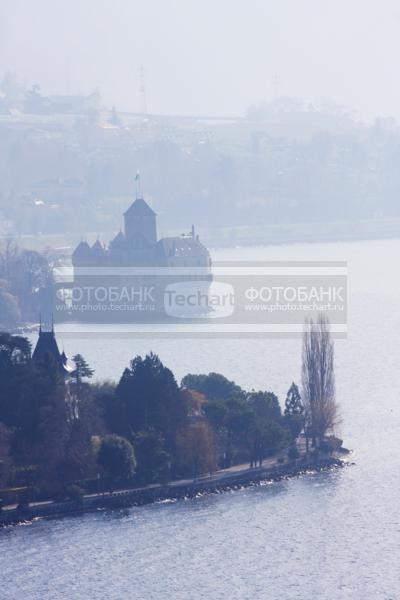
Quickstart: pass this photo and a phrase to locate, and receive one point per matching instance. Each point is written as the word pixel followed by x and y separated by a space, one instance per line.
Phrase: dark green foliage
pixel 82 369
pixel 77 460
pixel 229 418
pixel 293 453
pixel 214 386
pixel 238 419
pixel 331 444
pixel 153 460
pixel 106 403
pixel 50 426
pixel 75 493
pixel 116 457
pixel 28 392
pixel 217 414
pixel 265 438
pixel 293 403
pixel 148 397
pixel 294 411
pixel 249 426
pixel 4 454
pixel 35 406
pixel 265 405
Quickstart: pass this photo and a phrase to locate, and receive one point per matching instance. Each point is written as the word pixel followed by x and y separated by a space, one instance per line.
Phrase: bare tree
pixel 9 253
pixel 318 379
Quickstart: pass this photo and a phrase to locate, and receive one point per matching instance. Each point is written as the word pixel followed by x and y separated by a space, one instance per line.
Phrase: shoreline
pixel 182 489
pixel 307 232
pixel 269 234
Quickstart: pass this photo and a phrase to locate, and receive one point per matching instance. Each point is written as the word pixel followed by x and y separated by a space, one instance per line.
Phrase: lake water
pixel 326 536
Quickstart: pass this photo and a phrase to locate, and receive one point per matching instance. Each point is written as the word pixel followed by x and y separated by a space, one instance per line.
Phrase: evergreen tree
pixel 153 460
pixel 293 402
pixel 265 405
pixel 237 421
pixel 294 411
pixel 82 369
pixel 148 397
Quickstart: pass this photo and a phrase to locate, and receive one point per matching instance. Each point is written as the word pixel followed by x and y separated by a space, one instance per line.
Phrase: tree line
pixel 61 437
pixel 26 281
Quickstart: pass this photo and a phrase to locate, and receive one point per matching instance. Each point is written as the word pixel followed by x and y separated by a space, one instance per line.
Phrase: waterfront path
pixel 236 476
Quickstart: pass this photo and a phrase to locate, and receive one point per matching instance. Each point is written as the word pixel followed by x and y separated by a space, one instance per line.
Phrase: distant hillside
pixel 282 163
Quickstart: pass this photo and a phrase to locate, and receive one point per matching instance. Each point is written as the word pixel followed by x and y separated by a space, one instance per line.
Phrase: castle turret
pixel 140 219
pixel 82 254
pixel 47 352
pixel 98 252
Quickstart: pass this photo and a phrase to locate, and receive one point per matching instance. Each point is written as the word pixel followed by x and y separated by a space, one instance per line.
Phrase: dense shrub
pixel 75 493
pixel 331 444
pixel 293 453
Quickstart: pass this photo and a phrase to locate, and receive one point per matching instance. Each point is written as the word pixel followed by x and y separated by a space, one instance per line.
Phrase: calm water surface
pixel 327 536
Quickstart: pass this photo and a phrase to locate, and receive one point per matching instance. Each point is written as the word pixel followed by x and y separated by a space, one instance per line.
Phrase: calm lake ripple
pixel 324 536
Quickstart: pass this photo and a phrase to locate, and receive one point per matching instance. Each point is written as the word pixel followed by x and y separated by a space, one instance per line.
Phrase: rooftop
pixel 47 349
pixel 140 208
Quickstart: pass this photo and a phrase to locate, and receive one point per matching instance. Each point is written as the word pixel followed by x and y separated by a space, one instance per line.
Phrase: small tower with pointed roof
pixel 82 254
pixel 46 351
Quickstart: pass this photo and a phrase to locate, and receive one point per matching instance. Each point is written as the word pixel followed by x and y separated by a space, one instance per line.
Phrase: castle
pixel 127 280
pixel 138 245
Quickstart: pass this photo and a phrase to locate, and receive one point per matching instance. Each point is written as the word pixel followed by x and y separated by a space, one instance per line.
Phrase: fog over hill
pixel 92 92
pixel 207 58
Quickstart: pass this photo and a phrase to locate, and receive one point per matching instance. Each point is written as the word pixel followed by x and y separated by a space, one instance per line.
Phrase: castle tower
pixel 47 352
pixel 82 255
pixel 140 220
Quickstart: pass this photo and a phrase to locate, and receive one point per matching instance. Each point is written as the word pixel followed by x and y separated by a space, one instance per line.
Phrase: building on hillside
pixel 60 104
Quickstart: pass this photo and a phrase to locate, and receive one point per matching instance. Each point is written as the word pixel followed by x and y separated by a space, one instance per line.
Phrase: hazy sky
pixel 208 56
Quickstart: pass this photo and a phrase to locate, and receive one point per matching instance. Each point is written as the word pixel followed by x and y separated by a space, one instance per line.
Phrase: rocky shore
pixel 172 491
